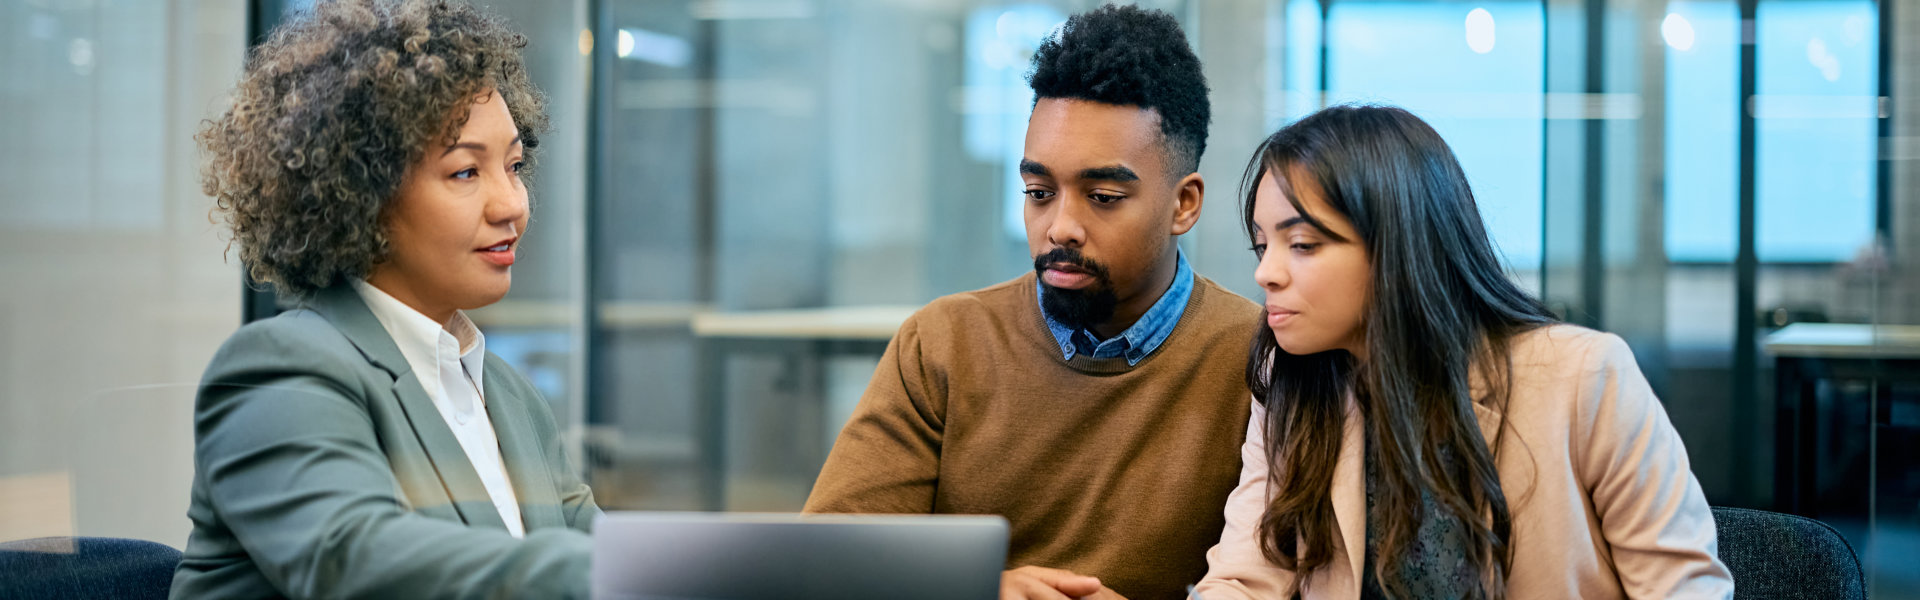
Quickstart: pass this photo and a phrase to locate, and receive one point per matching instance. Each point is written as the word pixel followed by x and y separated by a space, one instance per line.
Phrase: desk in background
pixel 849 330
pixel 537 336
pixel 1807 354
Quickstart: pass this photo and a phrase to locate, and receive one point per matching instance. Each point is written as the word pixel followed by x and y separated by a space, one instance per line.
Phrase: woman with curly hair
pixel 366 444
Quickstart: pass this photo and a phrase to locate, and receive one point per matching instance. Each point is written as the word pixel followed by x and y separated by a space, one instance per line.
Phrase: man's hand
pixel 1041 583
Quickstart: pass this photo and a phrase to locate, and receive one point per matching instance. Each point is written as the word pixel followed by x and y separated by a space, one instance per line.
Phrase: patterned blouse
pixel 1435 565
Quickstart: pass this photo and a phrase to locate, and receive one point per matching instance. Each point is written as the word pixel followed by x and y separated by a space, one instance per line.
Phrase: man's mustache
pixel 1069 256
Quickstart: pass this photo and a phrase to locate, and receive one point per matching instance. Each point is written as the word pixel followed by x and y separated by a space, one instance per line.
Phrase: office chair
pixel 86 567
pixel 1774 555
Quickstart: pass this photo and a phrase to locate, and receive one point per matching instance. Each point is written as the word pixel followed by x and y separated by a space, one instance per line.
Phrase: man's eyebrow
pixel 1113 173
pixel 475 146
pixel 1028 167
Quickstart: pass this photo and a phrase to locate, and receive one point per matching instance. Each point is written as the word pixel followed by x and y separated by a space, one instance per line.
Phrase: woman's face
pixel 1316 281
pixel 454 224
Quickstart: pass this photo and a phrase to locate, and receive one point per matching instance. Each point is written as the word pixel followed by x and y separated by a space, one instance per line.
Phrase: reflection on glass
pixel 1000 46
pixel 1474 72
pixel 1702 141
pixel 839 153
pixel 1817 114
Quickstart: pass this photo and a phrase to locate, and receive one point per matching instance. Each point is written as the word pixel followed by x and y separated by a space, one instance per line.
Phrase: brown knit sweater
pixel 1103 469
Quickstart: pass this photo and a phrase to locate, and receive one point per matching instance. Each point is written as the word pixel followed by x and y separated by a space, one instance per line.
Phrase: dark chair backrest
pixel 86 567
pixel 1774 555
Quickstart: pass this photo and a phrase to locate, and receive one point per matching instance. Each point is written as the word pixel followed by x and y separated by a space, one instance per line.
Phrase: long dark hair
pixel 1440 304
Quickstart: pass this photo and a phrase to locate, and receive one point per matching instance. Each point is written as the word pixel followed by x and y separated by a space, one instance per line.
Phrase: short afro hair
pixel 329 114
pixel 1125 55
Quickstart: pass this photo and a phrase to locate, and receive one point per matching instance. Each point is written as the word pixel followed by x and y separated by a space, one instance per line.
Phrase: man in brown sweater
pixel 1099 403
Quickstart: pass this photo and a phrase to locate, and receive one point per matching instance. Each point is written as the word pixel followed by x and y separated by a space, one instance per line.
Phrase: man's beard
pixel 1082 308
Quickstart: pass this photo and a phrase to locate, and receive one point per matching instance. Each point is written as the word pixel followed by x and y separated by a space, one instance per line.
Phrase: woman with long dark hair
pixel 1422 427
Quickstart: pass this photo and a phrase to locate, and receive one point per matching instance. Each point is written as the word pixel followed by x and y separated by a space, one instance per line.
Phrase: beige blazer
pixel 1604 504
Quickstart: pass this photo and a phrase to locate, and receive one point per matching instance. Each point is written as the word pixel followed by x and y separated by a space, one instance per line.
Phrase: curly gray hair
pixel 331 112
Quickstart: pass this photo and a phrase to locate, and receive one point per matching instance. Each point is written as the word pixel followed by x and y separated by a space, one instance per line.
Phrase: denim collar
pixel 1137 341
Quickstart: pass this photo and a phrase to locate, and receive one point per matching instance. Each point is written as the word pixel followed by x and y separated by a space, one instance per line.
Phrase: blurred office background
pixel 741 198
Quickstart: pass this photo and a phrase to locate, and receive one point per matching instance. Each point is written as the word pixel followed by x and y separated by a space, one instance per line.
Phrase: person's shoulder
pixel 997 302
pixel 1567 347
pixel 1213 301
pixel 298 354
pixel 299 329
pixel 1570 362
pixel 298 340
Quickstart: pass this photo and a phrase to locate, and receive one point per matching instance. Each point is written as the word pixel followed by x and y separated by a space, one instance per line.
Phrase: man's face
pixel 1101 207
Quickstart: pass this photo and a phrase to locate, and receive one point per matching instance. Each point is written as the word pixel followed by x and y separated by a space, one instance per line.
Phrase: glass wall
pixel 116 289
pixel 740 199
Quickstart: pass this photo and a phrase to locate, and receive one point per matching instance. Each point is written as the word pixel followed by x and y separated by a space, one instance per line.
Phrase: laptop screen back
pixel 734 556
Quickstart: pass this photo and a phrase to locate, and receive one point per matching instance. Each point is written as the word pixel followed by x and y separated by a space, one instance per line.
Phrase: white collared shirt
pixel 449 362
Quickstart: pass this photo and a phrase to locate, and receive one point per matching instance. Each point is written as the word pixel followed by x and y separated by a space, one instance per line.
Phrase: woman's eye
pixel 1304 247
pixel 467 173
pixel 1259 250
pixel 519 166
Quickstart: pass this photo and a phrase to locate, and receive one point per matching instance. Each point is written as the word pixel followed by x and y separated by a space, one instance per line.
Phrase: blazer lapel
pixel 1350 494
pixel 521 449
pixel 1489 419
pixel 342 307
pixel 450 460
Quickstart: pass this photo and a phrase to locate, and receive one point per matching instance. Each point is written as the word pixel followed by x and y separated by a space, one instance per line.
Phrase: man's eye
pixel 1104 198
pixel 1038 194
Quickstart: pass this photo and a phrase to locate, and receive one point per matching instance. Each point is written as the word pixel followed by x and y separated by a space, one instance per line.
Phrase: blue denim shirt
pixel 1137 341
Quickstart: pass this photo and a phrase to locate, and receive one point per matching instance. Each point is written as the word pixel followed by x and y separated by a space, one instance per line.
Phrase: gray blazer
pixel 322 469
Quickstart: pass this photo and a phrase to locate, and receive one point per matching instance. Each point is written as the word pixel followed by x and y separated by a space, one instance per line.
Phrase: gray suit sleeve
pixel 293 468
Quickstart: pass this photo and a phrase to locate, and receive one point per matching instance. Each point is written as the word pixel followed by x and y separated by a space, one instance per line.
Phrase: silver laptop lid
pixel 741 556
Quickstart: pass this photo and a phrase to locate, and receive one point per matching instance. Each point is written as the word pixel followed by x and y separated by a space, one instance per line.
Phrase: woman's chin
pixel 1298 347
pixel 483 296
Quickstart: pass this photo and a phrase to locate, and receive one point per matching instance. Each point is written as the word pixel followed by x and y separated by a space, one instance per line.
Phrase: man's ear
pixel 1188 195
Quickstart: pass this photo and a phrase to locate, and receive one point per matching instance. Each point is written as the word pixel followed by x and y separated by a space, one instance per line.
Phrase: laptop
pixel 743 556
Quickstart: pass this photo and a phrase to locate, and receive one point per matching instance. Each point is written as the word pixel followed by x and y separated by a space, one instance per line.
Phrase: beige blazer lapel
pixel 1489 422
pixel 1488 418
pixel 1349 496
pixel 1349 492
